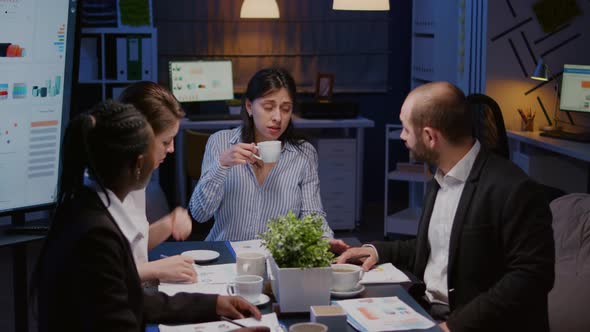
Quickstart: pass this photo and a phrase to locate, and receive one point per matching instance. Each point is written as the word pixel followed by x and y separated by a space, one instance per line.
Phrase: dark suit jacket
pixel 87 279
pixel 501 255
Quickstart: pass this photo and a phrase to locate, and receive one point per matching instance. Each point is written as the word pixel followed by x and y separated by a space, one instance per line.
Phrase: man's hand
pixel 175 268
pixel 182 224
pixel 239 154
pixel 366 255
pixel 444 327
pixel 338 246
pixel 235 307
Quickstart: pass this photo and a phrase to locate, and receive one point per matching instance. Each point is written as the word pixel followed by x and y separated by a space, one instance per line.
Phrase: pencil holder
pixel 527 125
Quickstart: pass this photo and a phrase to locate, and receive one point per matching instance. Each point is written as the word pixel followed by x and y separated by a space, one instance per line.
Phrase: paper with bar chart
pixel 32 75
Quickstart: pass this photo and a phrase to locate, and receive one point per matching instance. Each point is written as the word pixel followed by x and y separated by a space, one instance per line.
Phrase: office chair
pixel 568 299
pixel 488 124
pixel 194 150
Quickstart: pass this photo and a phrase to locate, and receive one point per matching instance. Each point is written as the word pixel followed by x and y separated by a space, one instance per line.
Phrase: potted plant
pixel 300 272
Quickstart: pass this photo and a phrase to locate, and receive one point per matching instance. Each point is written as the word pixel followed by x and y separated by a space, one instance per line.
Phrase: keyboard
pixel 578 137
pixel 213 117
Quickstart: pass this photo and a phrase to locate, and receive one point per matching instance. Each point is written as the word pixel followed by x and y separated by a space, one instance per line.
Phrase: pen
pixel 524 118
pixel 232 321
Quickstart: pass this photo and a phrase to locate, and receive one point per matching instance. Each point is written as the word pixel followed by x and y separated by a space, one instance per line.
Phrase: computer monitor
pixel 201 80
pixel 36 62
pixel 575 88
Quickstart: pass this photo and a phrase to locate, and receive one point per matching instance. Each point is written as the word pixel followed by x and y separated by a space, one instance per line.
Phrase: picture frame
pixel 324 86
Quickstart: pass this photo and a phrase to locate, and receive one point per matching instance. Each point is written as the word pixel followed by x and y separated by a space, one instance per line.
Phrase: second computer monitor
pixel 575 88
pixel 201 80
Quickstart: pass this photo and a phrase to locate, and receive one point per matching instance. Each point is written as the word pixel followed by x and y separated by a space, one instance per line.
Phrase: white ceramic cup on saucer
pixel 346 277
pixel 247 286
pixel 253 263
pixel 269 151
pixel 308 327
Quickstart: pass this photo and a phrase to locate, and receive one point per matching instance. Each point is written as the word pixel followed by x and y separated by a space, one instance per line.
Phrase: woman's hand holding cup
pixel 239 154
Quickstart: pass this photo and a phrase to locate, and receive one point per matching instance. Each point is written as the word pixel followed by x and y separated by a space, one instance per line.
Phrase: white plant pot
pixel 297 289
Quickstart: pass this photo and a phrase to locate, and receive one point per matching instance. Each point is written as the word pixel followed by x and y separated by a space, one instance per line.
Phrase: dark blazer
pixel 87 279
pixel 501 253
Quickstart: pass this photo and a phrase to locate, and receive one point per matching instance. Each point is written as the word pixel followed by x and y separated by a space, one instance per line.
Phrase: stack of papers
pixel 250 246
pixel 383 314
pixel 269 320
pixel 384 274
pixel 212 279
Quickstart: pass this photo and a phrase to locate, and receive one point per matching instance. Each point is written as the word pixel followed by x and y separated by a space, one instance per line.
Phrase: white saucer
pixel 351 293
pixel 262 299
pixel 201 256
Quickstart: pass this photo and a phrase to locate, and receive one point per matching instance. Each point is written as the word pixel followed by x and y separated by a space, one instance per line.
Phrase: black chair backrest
pixel 488 124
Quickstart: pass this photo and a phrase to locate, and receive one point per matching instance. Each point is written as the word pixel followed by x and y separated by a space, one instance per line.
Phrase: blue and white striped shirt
pixel 240 205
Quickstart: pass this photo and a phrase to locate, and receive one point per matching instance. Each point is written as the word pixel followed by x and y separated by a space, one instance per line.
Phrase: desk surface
pixel 359 122
pixel 14 239
pixel 572 149
pixel 228 256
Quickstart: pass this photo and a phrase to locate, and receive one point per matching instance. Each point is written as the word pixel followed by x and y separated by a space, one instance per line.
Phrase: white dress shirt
pixel 441 223
pixel 131 218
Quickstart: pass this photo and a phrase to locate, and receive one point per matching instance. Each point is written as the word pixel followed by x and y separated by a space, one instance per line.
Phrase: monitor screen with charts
pixel 200 81
pixel 36 62
pixel 575 88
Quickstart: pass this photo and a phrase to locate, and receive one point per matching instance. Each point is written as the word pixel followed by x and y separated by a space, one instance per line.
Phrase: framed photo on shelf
pixel 324 86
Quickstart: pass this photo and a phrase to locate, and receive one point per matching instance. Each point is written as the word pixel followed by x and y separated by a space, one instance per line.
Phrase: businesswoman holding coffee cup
pixel 261 169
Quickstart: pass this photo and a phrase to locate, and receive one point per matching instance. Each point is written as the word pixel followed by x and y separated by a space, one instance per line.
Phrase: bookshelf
pixel 112 58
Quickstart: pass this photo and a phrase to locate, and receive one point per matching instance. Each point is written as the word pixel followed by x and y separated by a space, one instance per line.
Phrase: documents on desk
pixel 249 246
pixel 269 320
pixel 383 314
pixel 211 279
pixel 384 274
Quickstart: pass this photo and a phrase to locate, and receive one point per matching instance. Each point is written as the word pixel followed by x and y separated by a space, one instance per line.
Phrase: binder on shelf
pixel 88 69
pixel 146 59
pixel 134 58
pixel 122 58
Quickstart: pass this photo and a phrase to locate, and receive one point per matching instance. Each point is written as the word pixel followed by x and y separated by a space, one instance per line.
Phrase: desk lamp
pixel 542 73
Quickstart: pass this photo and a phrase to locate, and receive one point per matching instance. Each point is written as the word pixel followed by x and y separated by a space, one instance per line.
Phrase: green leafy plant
pixel 297 242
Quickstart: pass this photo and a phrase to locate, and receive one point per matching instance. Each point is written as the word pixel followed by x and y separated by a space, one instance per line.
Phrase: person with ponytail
pixel 86 278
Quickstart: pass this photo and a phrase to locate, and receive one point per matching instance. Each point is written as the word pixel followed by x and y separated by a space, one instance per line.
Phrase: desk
pixel 359 124
pixel 227 256
pixel 555 162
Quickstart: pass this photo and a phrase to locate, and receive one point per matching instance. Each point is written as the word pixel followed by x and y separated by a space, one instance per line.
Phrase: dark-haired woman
pixel 244 193
pixel 86 278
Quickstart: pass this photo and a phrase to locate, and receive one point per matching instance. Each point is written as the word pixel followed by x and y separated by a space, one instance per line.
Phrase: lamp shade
pixel 541 72
pixel 361 5
pixel 259 9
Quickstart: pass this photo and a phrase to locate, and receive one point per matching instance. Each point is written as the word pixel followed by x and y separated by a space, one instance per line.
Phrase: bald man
pixel 484 246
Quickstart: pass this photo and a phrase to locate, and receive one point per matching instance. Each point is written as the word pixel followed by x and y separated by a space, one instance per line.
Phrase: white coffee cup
pixel 269 151
pixel 346 277
pixel 247 286
pixel 253 263
pixel 308 327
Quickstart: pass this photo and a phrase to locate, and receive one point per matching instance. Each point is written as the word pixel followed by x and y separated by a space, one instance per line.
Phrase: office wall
pixel 515 41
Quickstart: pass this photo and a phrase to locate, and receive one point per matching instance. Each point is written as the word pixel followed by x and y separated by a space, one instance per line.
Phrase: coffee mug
pixel 252 263
pixel 346 277
pixel 308 327
pixel 269 151
pixel 247 286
